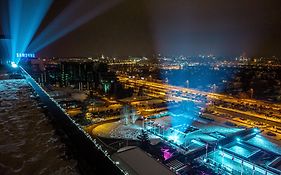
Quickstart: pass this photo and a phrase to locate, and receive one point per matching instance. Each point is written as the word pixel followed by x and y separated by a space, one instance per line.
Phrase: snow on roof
pixel 137 162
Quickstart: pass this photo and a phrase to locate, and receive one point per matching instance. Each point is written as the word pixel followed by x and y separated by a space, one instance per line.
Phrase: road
pixel 248 116
pixel 165 88
pixel 162 90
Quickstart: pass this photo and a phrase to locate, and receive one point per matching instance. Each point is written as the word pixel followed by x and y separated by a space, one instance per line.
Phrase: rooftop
pixel 137 162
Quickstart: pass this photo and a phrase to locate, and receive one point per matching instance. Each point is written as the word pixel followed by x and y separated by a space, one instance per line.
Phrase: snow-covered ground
pixel 119 130
pixel 28 144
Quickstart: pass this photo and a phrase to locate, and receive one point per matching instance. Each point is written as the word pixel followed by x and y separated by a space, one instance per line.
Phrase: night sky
pixel 174 27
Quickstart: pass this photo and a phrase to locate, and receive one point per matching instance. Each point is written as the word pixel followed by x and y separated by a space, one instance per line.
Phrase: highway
pixel 248 116
pixel 165 88
pixel 162 90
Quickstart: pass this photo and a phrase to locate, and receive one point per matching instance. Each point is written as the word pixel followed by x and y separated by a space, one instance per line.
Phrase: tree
pixel 144 139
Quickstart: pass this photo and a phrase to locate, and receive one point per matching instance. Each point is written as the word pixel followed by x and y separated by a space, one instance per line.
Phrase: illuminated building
pixel 87 75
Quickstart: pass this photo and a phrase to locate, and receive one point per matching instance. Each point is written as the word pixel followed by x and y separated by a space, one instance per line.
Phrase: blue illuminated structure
pixel 174 138
pixel 25 55
pixel 256 130
pixel 184 114
pixel 25 17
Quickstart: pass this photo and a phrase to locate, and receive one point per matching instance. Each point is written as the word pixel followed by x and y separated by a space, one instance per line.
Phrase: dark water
pixel 28 143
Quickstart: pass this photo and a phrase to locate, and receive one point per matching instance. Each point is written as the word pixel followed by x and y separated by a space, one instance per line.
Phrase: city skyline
pixel 148 87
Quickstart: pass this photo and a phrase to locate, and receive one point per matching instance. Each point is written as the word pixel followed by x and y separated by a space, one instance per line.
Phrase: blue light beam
pixel 185 113
pixel 14 12
pixel 25 18
pixel 75 15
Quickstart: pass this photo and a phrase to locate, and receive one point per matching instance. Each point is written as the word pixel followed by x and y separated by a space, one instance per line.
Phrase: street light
pixel 14 65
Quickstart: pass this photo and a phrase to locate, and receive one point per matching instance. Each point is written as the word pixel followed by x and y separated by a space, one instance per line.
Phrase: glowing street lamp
pixel 14 65
pixel 187 83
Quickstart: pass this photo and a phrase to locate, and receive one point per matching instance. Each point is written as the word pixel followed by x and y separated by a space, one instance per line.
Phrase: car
pixel 230 124
pixel 271 134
